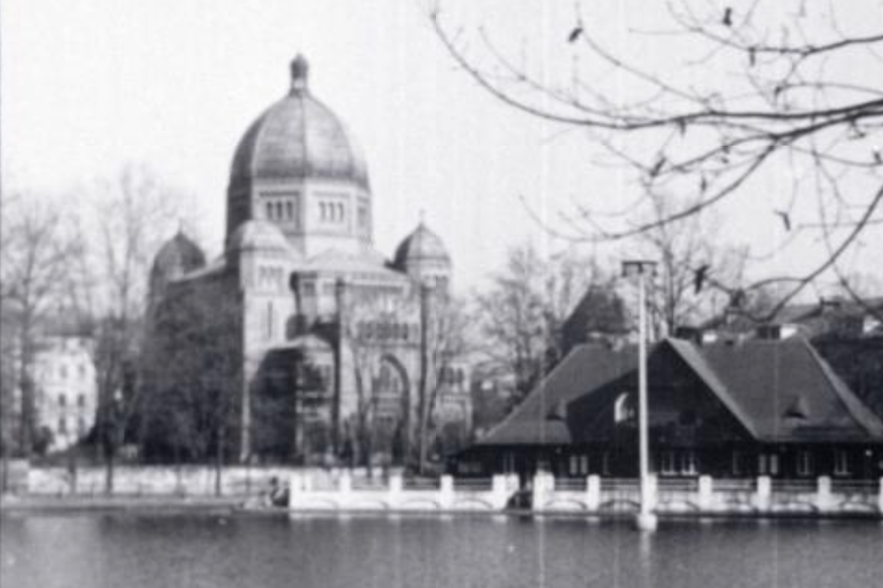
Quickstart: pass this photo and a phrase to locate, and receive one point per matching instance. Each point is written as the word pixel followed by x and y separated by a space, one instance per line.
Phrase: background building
pixel 323 348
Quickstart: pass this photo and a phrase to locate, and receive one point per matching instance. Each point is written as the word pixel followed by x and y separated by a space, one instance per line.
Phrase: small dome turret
pixel 421 247
pixel 177 257
pixel 423 256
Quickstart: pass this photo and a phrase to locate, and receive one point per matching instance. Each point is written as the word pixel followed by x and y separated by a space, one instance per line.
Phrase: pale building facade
pixel 66 394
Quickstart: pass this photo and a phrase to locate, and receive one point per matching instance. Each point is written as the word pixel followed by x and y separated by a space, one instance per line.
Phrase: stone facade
pixel 335 356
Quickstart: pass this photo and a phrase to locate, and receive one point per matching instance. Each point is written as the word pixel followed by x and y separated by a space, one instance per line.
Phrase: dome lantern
pixel 300 73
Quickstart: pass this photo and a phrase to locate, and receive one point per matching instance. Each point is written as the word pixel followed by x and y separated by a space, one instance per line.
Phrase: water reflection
pixel 221 552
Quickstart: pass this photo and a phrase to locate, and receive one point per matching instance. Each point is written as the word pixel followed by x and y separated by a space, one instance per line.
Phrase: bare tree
pixel 122 230
pixel 699 277
pixel 523 312
pixel 36 253
pixel 746 93
pixel 446 343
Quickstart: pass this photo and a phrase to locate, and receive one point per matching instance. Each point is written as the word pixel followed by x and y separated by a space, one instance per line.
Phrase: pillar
pixel 824 500
pixel 706 492
pixel 593 492
pixel 446 492
pixel 763 494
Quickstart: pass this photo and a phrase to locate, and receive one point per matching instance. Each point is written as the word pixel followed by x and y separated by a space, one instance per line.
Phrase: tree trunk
pixel 109 471
pixel 219 460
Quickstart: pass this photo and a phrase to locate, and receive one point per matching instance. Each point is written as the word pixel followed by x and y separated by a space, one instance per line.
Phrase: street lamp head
pixel 637 267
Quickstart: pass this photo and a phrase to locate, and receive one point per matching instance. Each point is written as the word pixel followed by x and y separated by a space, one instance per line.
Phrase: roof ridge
pixel 717 387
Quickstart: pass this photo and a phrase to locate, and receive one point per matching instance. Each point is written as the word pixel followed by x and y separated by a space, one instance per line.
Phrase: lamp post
pixel 640 269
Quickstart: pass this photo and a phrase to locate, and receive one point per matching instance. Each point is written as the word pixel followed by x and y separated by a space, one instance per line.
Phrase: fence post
pixel 446 492
pixel 295 488
pixel 541 489
pixel 824 499
pixel 593 492
pixel 706 492
pixel 763 494
pixel 395 490
pixel 499 491
pixel 651 491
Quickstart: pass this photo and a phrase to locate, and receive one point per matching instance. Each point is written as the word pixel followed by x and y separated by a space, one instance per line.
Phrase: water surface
pixel 190 551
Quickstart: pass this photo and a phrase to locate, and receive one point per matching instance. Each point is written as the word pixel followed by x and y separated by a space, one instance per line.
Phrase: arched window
pixel 279 210
pixel 289 210
pixel 622 410
pixel 270 210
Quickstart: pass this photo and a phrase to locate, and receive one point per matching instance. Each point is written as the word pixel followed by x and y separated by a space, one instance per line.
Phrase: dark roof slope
pixel 767 379
pixel 780 391
pixel 539 419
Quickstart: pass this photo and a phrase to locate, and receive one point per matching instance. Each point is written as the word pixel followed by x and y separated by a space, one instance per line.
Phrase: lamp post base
pixel 646 521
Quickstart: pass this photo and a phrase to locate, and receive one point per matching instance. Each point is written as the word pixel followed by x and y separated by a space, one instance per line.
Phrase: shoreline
pixel 238 505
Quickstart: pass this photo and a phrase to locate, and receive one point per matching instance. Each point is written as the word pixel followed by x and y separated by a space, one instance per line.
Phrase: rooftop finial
pixel 300 71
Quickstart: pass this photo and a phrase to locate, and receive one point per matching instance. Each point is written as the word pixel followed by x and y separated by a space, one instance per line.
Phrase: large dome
pixel 298 138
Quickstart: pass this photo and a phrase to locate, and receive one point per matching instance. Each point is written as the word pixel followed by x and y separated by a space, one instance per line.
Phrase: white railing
pixel 705 494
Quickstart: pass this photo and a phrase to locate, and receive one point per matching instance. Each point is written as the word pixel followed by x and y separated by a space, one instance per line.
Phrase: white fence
pixel 399 494
pixel 710 496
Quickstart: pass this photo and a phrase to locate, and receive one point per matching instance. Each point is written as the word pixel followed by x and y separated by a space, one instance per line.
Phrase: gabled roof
pixel 537 420
pixel 768 378
pixel 760 382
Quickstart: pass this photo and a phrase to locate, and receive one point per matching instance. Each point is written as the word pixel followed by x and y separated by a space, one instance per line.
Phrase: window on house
pixel 62 400
pixel 270 210
pixel 584 465
pixel 62 372
pixel 81 426
pixel 804 463
pixel 774 464
pixel 508 462
pixel 688 463
pixel 81 400
pixel 738 466
pixel 289 210
pixel 279 213
pixel 622 411
pixel 841 463
pixel 62 426
pixel 667 465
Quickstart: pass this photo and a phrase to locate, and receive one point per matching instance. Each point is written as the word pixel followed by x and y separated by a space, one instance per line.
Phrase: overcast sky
pixel 90 85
